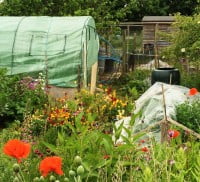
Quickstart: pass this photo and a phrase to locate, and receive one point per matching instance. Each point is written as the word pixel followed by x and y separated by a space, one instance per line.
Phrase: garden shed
pixel 151 25
pixel 63 48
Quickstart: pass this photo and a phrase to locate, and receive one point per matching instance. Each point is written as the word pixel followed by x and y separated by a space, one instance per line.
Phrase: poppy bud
pixel 80 170
pixel 36 179
pixel 66 179
pixel 16 168
pixel 72 173
pixel 52 178
pixel 77 160
pixel 16 179
pixel 41 178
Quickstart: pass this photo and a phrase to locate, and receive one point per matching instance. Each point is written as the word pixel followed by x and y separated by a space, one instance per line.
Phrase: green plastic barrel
pixel 166 75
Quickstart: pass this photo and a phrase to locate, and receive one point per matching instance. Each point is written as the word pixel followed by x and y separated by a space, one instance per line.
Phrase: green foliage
pixel 185 39
pixel 134 83
pixel 105 14
pixel 190 80
pixel 188 114
pixel 100 158
pixel 19 97
pixel 7 87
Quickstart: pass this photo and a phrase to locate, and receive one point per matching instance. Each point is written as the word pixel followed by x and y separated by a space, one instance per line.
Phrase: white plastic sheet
pixel 152 108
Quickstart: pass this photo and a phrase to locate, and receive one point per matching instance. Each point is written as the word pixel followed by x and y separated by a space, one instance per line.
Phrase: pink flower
pixel 173 133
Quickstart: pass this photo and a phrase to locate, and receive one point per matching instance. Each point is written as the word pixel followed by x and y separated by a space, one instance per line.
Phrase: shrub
pixel 188 114
pixel 20 96
pixel 134 83
pixel 191 80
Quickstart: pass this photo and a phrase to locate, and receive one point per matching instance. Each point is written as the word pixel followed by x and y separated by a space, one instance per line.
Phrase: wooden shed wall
pixel 151 36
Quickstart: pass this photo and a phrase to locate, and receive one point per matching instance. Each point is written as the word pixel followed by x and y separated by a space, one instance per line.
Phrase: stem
pixel 154 162
pixel 22 176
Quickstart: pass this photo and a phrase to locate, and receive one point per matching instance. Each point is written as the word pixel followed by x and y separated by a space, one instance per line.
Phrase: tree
pixel 105 12
pixel 186 7
pixel 185 41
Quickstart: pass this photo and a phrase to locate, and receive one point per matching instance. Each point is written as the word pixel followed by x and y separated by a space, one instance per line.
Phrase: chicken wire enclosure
pixel 65 48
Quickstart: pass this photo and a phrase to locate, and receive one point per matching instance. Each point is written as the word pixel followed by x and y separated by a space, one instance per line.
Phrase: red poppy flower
pixel 144 149
pixel 193 91
pixel 173 133
pixel 17 149
pixel 142 141
pixel 106 156
pixel 51 164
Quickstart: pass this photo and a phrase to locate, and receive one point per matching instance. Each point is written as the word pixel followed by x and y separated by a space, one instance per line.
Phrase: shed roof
pixel 158 19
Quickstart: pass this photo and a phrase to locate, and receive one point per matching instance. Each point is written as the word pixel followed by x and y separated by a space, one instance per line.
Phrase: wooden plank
pixel 84 65
pixel 93 77
pixel 155 47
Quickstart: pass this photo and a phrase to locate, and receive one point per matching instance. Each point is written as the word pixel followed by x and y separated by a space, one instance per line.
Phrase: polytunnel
pixel 63 48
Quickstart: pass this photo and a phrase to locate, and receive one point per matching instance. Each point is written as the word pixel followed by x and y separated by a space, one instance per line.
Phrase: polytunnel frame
pixel 84 54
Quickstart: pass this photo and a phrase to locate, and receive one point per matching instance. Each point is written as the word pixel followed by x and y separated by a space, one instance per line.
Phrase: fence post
pixel 93 77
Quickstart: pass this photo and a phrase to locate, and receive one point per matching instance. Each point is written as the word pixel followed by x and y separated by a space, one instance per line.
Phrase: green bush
pixel 7 96
pixel 191 80
pixel 20 96
pixel 188 114
pixel 134 83
pixel 185 40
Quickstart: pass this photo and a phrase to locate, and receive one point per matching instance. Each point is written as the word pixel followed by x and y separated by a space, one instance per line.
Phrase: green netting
pixel 52 45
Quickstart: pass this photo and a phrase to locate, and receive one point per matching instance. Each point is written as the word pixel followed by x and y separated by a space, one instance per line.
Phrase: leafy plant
pixel 20 96
pixel 134 83
pixel 188 114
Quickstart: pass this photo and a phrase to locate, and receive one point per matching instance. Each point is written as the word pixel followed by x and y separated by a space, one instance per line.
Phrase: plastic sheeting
pixel 151 105
pixel 52 45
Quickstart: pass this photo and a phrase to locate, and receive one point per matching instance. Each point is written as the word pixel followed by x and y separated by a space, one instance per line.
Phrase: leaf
pixel 108 145
pixel 72 128
pixel 51 147
pixel 128 131
pixel 127 163
pixel 91 117
pixel 103 163
pixel 86 166
pixel 127 140
pixel 137 136
pixel 61 139
pixel 118 131
pixel 133 118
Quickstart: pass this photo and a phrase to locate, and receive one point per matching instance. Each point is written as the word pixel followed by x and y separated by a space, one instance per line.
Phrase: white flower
pixel 198 22
pixel 183 50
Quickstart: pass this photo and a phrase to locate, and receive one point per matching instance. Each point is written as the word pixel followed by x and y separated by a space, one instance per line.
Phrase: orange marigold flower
pixel 17 149
pixel 173 133
pixel 193 91
pixel 51 164
pixel 144 149
pixel 109 90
